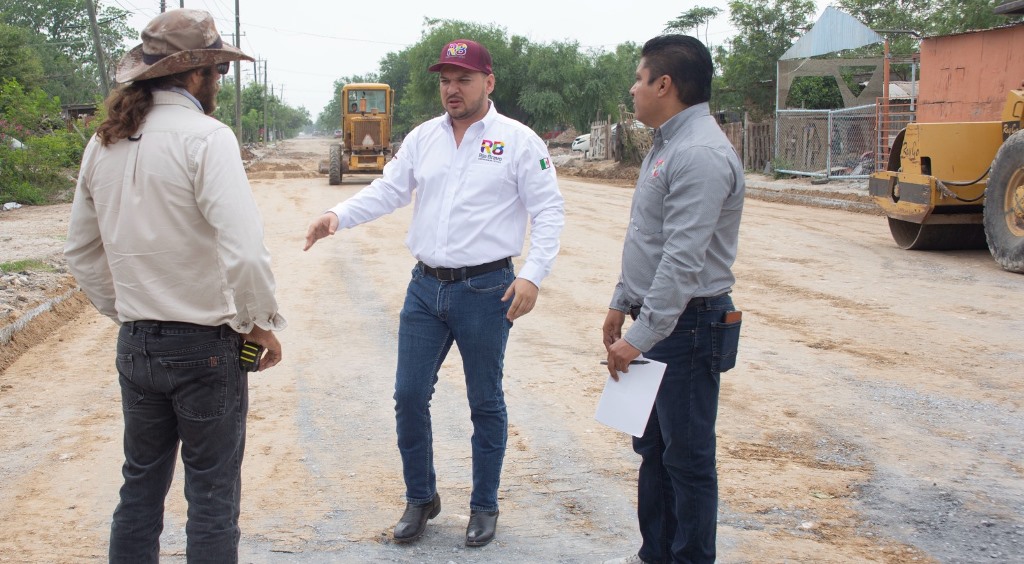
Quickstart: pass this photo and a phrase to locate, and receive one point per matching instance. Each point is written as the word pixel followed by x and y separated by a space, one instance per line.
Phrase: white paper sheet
pixel 626 405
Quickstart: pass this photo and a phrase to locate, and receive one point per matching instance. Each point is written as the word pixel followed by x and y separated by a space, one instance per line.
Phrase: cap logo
pixel 457 49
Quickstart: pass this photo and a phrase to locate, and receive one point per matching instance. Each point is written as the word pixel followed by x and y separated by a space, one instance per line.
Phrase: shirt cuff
pixel 641 337
pixel 269 323
pixel 531 273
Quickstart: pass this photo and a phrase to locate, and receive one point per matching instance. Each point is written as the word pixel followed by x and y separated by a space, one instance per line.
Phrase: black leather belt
pixel 456 274
pixel 634 311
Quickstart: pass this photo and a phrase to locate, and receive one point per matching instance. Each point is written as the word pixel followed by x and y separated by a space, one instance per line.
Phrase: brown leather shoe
pixel 480 530
pixel 414 521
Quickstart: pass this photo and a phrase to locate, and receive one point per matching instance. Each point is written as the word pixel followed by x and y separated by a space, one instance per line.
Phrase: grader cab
pixel 365 143
pixel 954 179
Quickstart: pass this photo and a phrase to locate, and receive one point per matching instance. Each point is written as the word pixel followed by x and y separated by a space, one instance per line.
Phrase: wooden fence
pixel 753 141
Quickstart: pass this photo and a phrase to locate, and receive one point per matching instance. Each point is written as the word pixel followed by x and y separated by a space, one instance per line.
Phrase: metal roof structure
pixel 834 31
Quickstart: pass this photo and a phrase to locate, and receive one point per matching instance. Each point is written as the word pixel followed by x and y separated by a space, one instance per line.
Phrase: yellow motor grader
pixel 366 112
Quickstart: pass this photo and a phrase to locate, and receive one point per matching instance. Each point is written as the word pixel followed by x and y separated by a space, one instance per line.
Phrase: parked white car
pixel 581 143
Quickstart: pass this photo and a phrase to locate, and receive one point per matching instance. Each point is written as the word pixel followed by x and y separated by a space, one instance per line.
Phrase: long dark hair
pixel 128 105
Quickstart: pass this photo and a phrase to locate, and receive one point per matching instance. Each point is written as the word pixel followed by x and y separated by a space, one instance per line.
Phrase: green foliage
pixel 421 100
pixel 395 72
pixel 693 19
pixel 285 120
pixel 38 172
pixel 923 17
pixel 29 112
pixel 815 93
pixel 765 30
pixel 17 59
pixel 781 163
pixel 546 86
pixel 25 265
pixel 60 35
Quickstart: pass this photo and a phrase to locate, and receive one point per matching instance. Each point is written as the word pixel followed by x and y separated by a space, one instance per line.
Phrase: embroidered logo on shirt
pixel 657 165
pixel 491 151
pixel 545 163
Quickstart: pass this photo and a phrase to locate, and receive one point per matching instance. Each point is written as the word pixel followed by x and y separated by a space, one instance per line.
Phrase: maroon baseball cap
pixel 464 53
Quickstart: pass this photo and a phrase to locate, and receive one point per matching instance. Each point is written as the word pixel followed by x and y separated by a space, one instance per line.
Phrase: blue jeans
pixel 436 314
pixel 180 383
pixel 677 504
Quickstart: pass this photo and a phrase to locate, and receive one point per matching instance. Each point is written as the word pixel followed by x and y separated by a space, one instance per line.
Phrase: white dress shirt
pixel 472 200
pixel 164 226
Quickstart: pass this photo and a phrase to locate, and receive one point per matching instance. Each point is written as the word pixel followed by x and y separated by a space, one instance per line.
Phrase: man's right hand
pixel 321 227
pixel 612 330
pixel 266 339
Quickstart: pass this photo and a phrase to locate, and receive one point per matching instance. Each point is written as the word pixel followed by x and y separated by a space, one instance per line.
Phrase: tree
pixel 559 77
pixel 609 79
pixel 765 30
pixel 693 19
pixel 420 100
pixel 545 86
pixel 395 72
pixel 17 59
pixel 963 15
pixel 285 120
pixel 61 36
pixel 924 18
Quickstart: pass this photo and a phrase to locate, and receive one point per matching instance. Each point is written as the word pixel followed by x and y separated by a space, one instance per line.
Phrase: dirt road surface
pixel 875 414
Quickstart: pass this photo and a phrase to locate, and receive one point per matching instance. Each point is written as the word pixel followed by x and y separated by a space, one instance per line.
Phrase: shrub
pixel 42 170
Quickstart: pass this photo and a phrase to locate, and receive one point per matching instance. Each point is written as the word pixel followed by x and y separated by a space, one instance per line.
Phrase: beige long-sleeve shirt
pixel 164 225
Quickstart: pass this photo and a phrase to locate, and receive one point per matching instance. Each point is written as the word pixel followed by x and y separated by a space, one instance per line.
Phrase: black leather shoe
pixel 480 530
pixel 414 521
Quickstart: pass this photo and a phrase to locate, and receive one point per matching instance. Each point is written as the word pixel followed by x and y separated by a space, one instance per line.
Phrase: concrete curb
pixel 8 332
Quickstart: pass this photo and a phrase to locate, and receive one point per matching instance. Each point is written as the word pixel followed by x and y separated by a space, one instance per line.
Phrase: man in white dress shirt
pixel 477 176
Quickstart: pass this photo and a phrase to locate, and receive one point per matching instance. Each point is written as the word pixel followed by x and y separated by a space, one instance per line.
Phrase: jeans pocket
pixel 131 393
pixel 201 386
pixel 495 281
pixel 725 341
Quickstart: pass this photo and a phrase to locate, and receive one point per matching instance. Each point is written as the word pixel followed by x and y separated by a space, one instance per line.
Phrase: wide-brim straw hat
pixel 176 41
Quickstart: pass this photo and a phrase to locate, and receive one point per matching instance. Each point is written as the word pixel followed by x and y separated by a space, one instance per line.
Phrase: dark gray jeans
pixel 180 383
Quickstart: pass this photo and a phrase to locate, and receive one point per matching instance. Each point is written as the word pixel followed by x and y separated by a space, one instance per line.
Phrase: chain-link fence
pixel 826 143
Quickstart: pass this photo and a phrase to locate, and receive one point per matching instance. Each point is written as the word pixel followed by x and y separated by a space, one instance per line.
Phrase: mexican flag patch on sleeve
pixel 545 163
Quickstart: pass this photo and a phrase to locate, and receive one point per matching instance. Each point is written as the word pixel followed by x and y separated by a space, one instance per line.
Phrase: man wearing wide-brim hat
pixel 166 240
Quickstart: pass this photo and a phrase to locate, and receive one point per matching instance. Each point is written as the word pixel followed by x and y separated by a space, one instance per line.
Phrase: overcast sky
pixel 308 44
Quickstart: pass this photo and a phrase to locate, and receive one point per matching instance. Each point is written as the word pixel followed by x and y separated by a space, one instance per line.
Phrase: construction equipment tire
pixel 1004 205
pixel 334 172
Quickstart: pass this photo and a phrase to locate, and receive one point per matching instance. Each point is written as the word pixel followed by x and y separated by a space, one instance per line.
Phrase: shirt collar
pixel 485 121
pixel 682 119
pixel 185 93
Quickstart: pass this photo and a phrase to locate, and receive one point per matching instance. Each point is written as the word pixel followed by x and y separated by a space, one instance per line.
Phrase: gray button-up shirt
pixel 684 225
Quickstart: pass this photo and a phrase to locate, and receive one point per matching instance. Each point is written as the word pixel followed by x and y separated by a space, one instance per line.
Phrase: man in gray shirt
pixel 675 283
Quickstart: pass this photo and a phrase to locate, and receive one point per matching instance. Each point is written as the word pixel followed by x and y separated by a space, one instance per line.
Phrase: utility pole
pixel 238 79
pixel 90 4
pixel 266 93
pixel 163 6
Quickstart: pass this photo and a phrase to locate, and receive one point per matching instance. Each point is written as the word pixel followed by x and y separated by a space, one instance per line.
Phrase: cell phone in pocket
pixel 249 356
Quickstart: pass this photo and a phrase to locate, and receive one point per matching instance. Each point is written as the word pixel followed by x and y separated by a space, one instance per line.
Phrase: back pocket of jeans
pixel 200 385
pixel 725 342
